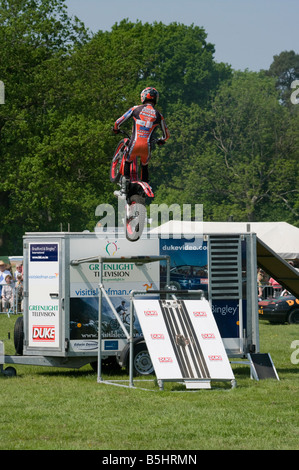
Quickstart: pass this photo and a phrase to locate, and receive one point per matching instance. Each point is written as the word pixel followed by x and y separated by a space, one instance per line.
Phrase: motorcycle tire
pixel 115 172
pixel 135 217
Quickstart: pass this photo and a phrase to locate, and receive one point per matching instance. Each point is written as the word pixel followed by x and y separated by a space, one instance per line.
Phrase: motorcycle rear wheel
pixel 135 218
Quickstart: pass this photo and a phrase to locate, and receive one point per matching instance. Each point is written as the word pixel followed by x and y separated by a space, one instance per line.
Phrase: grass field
pixel 47 408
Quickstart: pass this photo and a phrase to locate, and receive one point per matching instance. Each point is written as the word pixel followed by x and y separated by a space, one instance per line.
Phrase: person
pixel 276 286
pixel 285 293
pixel 7 294
pixel 18 271
pixel 3 273
pixel 291 263
pixel 146 119
pixel 122 308
pixel 262 281
pixel 19 293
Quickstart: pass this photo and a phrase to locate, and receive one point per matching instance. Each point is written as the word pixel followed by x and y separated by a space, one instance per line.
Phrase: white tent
pixel 281 237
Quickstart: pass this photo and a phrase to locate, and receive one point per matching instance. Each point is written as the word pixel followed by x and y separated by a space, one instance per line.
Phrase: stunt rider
pixel 145 121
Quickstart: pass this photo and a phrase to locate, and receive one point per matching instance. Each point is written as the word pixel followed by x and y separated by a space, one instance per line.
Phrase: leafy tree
pixel 112 69
pixel 36 39
pixel 246 166
pixel 173 165
pixel 285 69
pixel 176 58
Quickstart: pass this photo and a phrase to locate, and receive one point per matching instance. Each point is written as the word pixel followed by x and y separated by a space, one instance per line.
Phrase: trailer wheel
pixel 142 363
pixel 109 365
pixel 19 335
pixel 10 372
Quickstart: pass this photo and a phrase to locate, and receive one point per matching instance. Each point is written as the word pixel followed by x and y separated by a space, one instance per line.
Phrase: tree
pixel 113 67
pixel 285 69
pixel 172 165
pixel 36 39
pixel 176 58
pixel 246 166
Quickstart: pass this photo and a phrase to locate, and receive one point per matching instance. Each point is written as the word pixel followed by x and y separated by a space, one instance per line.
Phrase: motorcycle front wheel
pixel 135 217
pixel 115 169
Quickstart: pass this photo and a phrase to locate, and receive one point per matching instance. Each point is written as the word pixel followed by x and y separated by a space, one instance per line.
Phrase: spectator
pixel 262 281
pixel 3 273
pixel 7 294
pixel 19 270
pixel 9 268
pixel 19 289
pixel 285 293
pixel 276 286
pixel 291 263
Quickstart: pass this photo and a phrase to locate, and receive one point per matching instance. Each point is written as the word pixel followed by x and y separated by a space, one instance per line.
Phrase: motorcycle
pixel 136 192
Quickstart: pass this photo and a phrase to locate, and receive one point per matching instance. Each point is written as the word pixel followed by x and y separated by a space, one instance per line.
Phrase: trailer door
pixel 43 298
pixel 225 289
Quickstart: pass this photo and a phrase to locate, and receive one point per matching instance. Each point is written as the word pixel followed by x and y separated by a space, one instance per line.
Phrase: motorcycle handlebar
pixel 125 133
pixel 120 131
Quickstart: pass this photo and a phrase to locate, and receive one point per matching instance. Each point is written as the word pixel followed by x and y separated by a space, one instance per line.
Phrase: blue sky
pixel 246 33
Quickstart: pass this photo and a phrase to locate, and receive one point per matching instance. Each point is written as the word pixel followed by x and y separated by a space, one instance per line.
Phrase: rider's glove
pixel 115 131
pixel 160 142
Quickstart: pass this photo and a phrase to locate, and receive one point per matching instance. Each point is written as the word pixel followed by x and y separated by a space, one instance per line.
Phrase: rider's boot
pixel 124 186
pixel 144 173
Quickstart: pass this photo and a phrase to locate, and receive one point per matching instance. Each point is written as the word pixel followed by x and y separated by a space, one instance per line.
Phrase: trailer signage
pixel 200 314
pixel 43 252
pixel 43 333
pixel 119 277
pixel 43 282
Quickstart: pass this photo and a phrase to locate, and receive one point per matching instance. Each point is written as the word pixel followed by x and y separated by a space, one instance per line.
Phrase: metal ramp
pixel 262 367
pixel 278 268
pixel 184 342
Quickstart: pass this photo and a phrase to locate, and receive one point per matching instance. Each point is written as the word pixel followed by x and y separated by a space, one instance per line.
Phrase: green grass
pixel 47 408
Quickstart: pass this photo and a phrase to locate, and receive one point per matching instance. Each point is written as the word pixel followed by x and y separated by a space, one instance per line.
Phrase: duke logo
pixel 43 333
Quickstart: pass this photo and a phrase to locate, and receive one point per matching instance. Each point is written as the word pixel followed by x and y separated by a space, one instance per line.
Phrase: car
pixel 187 277
pixel 281 310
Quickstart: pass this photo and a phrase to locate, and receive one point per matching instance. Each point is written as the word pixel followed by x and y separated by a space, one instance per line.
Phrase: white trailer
pixel 62 270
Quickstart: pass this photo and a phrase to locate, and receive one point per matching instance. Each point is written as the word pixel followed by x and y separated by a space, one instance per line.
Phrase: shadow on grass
pixel 287 371
pixel 85 371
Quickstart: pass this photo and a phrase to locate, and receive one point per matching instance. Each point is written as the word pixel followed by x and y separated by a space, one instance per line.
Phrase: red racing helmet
pixel 149 94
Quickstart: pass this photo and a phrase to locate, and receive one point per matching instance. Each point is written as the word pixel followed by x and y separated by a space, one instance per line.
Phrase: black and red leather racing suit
pixel 146 119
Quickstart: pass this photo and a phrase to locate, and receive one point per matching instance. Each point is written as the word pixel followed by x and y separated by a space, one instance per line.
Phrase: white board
pixel 183 340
